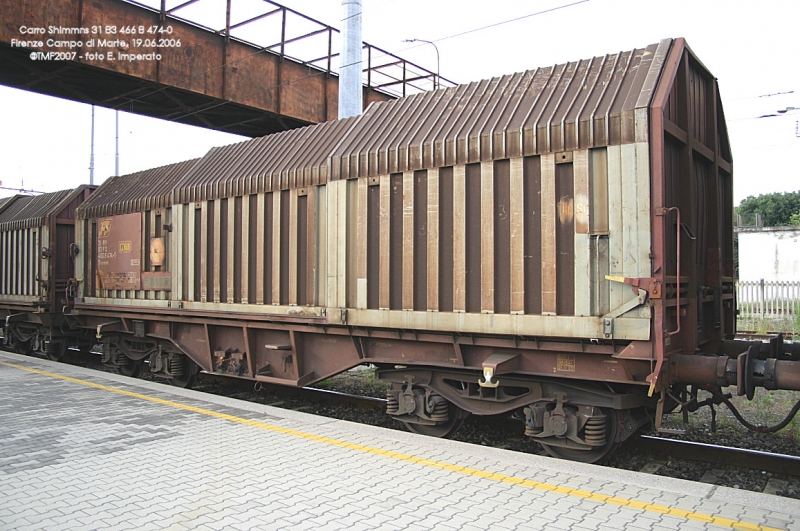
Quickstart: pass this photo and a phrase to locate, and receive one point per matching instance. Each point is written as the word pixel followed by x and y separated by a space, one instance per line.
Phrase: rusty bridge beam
pixel 209 80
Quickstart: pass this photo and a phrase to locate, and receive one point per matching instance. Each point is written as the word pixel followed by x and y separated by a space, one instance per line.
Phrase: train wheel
pixel 455 419
pixel 55 350
pixel 132 369
pixel 189 376
pixel 595 454
pixel 23 347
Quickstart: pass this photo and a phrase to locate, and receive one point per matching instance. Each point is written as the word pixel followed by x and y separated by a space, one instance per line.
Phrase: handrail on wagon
pixel 306 50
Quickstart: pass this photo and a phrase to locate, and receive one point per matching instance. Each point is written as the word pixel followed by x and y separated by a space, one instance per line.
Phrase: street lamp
pixel 436 82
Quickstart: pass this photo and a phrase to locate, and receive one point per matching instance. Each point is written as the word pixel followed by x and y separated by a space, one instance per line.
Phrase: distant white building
pixel 769 253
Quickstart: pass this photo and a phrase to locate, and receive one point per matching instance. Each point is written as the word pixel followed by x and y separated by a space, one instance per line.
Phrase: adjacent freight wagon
pixel 37 272
pixel 556 242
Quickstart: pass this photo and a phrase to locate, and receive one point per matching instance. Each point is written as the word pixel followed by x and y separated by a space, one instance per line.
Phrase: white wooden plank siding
pixel 517 242
pixel 433 240
pixel 459 239
pixel 276 247
pixel 548 196
pixel 487 237
pixel 615 228
pixel 583 280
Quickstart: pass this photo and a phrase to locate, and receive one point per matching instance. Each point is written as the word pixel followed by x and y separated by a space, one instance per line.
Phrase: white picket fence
pixel 759 299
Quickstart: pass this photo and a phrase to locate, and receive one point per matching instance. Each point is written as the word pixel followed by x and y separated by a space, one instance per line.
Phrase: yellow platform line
pixel 502 478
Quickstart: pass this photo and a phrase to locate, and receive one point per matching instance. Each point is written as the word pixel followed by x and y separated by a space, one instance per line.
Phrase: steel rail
pixel 725 455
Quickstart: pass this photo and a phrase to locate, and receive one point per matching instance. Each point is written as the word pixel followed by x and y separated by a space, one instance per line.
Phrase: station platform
pixel 81 449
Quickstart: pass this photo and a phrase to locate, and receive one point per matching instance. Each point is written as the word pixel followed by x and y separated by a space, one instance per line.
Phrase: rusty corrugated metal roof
pixel 135 192
pixel 31 211
pixel 6 201
pixel 282 160
pixel 577 105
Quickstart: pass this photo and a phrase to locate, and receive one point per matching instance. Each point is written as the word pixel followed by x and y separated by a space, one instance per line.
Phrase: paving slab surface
pixel 82 449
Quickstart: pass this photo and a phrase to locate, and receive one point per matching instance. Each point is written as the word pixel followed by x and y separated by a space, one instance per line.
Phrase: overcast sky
pixel 752 49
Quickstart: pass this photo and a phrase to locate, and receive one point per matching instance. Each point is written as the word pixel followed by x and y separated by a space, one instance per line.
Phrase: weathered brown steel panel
pixel 532 219
pixel 373 243
pixel 220 227
pixel 396 241
pixel 194 217
pixel 447 239
pixel 565 240
pixel 242 249
pixel 232 251
pixel 503 270
pixel 271 257
pixel 119 243
pixel 261 233
pixel 472 238
pixel 250 77
pixel 293 231
pixel 311 244
pixel 301 267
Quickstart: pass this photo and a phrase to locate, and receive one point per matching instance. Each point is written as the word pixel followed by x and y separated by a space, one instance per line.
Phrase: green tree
pixel 795 220
pixel 776 209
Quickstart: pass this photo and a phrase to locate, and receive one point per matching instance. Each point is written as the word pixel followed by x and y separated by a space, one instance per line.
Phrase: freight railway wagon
pixel 556 242
pixel 37 270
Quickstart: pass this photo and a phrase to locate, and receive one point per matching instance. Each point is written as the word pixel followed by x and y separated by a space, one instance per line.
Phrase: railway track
pixel 657 446
pixel 658 451
pixel 723 455
pixel 755 335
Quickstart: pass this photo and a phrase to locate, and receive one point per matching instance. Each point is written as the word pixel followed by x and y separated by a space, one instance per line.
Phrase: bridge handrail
pixel 384 71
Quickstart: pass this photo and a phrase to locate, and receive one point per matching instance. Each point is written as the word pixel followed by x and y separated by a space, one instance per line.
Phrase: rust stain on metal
pixel 566 210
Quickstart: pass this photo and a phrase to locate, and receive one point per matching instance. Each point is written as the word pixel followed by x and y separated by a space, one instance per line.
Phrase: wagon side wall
pixel 516 246
pixel 23 264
